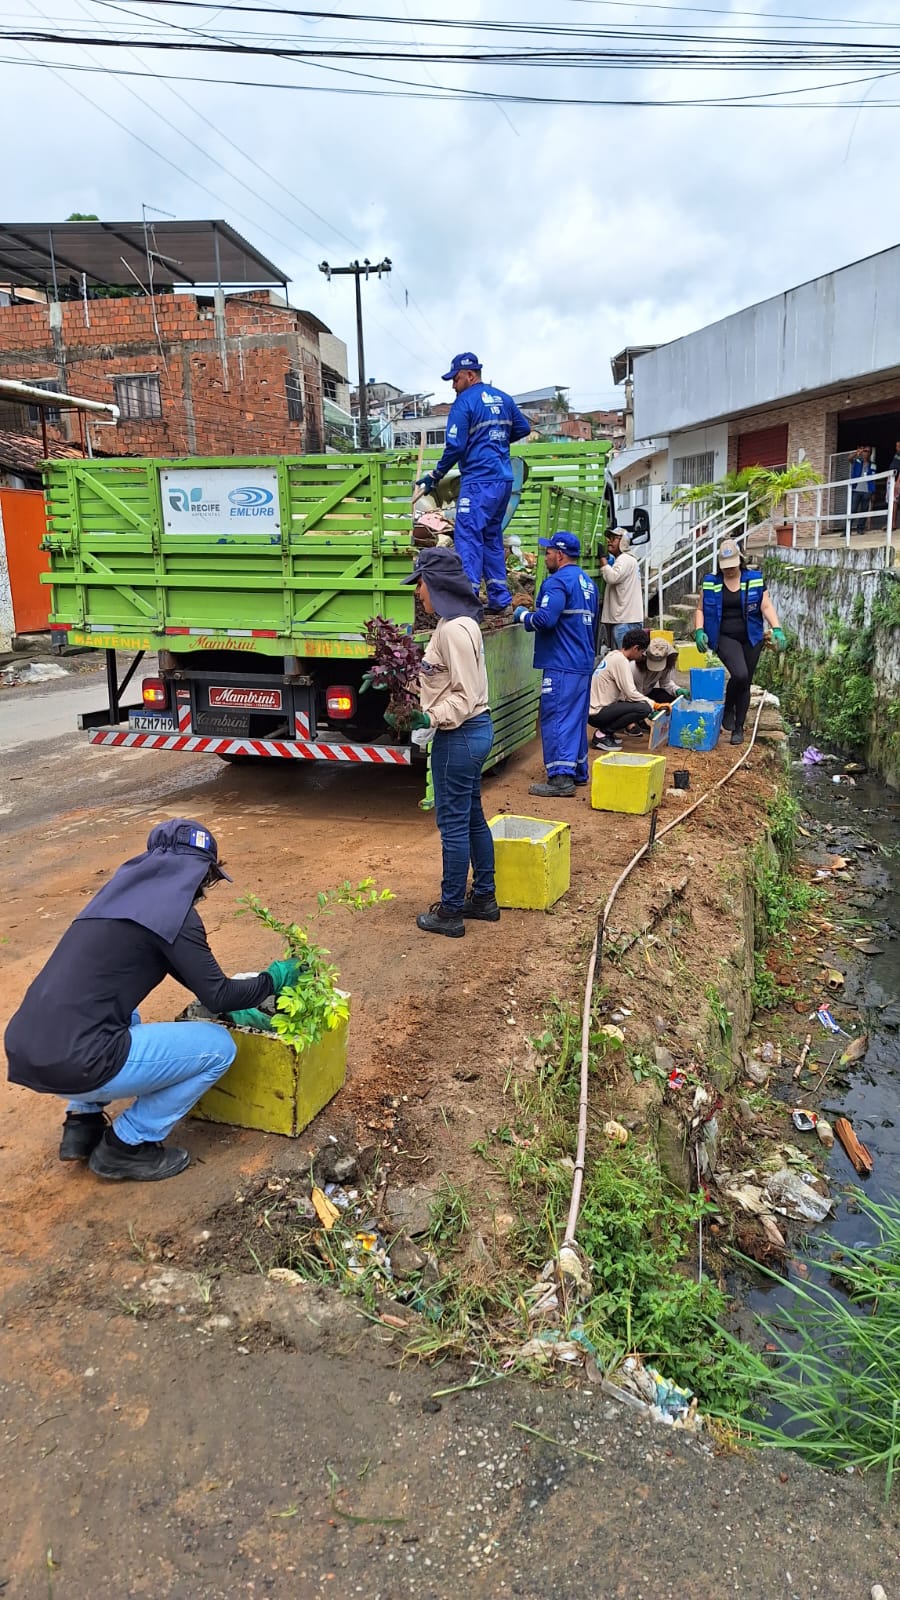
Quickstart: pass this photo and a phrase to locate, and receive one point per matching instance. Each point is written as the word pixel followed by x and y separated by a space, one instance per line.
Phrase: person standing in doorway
pixel 862 474
pixel 564 624
pixel 730 619
pixel 453 689
pixel 482 424
pixel 623 599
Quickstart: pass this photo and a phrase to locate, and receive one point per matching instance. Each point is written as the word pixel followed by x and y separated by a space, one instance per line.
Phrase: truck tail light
pixel 154 692
pixel 340 701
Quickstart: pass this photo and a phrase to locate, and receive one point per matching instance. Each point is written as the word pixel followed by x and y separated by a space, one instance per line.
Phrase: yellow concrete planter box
pixel 532 861
pixel 663 633
pixel 689 656
pixel 623 782
pixel 270 1087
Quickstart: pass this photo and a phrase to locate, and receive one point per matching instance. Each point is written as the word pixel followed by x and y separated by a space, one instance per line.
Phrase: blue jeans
pixel 457 758
pixel 565 703
pixel 620 630
pixel 169 1066
pixel 478 536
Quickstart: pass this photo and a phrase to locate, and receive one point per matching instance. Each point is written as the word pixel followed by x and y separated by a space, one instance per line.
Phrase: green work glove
pixel 682 694
pixel 701 641
pixel 778 638
pixel 419 719
pixel 252 1019
pixel 284 974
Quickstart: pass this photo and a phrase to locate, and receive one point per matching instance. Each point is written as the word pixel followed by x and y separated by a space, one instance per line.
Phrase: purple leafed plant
pixel 395 667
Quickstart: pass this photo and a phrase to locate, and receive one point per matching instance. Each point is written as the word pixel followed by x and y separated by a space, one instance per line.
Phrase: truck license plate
pixel 222 722
pixel 151 722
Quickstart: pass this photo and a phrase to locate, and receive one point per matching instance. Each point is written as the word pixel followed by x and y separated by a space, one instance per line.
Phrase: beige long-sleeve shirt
pixel 623 597
pixel 649 679
pixel 453 684
pixel 612 681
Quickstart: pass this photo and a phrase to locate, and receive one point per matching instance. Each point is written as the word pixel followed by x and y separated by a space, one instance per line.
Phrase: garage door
pixel 767 447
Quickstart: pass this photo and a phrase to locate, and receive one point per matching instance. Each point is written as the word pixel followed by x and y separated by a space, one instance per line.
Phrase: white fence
pixel 665 568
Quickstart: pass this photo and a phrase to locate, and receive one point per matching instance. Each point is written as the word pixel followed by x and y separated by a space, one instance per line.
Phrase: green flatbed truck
pixel 252 581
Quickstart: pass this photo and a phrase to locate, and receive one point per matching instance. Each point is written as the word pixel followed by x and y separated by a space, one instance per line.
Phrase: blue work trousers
pixel 478 536
pixel 457 758
pixel 169 1066
pixel 620 630
pixel 565 703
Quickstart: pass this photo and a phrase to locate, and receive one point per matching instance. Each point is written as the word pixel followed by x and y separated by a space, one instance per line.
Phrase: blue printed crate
pixel 707 683
pixel 696 724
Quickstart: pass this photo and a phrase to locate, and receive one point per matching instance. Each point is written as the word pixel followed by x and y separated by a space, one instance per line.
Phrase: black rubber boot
pixel 728 719
pixel 141 1163
pixel 737 736
pixel 437 919
pixel 82 1131
pixel 554 789
pixel 481 908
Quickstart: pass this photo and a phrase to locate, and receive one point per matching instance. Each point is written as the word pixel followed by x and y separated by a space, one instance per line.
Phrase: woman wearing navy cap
pixel 77 1032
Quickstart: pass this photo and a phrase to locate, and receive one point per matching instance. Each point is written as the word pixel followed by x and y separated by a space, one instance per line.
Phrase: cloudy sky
pixel 544 237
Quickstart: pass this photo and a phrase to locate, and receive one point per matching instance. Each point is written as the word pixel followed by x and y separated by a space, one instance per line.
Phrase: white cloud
pixel 546 246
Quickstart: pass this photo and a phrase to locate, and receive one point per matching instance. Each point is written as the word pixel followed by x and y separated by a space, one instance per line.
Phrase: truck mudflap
pixel 291 749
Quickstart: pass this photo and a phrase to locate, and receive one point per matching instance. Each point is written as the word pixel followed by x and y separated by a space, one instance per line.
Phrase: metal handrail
pixel 732 520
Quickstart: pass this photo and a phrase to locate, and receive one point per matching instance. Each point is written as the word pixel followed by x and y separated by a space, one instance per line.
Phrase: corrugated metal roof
pixel 116 253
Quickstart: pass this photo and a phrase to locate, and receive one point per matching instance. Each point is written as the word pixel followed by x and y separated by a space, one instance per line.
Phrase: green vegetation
pixel 836 1373
pixel 766 489
pixel 311 1007
pixel 719 1012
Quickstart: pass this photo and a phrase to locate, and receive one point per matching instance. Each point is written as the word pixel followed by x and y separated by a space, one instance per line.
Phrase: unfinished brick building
pixel 215 373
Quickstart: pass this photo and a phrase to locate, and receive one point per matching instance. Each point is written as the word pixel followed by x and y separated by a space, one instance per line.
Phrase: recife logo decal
pixel 251 501
pixel 192 502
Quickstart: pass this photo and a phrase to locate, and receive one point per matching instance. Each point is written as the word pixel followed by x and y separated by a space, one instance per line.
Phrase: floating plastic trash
pixel 812 757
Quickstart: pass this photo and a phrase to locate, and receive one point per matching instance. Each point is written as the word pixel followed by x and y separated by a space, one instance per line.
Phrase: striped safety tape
pixel 196 744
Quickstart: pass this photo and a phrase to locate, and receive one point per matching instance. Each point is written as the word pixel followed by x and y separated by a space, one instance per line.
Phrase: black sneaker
pixel 737 736
pixel 437 919
pixel 554 789
pixel 82 1131
pixel 605 742
pixel 481 908
pixel 142 1163
pixel 728 719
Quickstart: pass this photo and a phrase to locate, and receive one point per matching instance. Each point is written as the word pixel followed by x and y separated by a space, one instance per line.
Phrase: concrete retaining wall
pixel 812 590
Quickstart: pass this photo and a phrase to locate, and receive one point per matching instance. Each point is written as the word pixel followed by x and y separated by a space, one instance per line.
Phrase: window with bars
pixel 138 398
pixel 52 414
pixel 293 388
pixel 435 436
pixel 695 469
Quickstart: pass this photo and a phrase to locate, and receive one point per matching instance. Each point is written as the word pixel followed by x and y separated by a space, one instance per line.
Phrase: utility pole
pixel 358 271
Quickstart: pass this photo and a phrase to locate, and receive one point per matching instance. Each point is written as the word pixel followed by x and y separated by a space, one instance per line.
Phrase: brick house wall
pixel 233 377
pixel 813 424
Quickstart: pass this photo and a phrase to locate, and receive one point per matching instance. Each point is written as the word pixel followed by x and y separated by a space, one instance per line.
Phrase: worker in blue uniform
pixel 564 623
pixel 482 424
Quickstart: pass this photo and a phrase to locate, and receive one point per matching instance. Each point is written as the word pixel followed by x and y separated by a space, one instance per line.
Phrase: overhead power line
pixel 398 91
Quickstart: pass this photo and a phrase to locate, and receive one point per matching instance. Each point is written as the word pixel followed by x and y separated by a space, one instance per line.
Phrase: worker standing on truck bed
pixel 482 424
pixel 454 692
pixel 78 1034
pixel 564 623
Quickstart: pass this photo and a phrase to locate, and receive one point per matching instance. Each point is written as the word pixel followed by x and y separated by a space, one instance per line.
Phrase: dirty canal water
pixel 858 819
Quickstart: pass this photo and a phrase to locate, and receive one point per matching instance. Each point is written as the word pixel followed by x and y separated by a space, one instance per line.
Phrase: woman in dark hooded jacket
pixel 77 1032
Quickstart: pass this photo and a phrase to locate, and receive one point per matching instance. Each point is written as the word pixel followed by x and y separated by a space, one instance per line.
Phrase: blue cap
pixel 568 544
pixel 467 362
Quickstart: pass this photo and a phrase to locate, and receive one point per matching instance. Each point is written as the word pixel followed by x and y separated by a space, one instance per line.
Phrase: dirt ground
pixel 140 1459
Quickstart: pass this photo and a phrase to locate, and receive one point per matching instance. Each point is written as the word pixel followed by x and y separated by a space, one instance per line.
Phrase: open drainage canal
pixel 858 820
